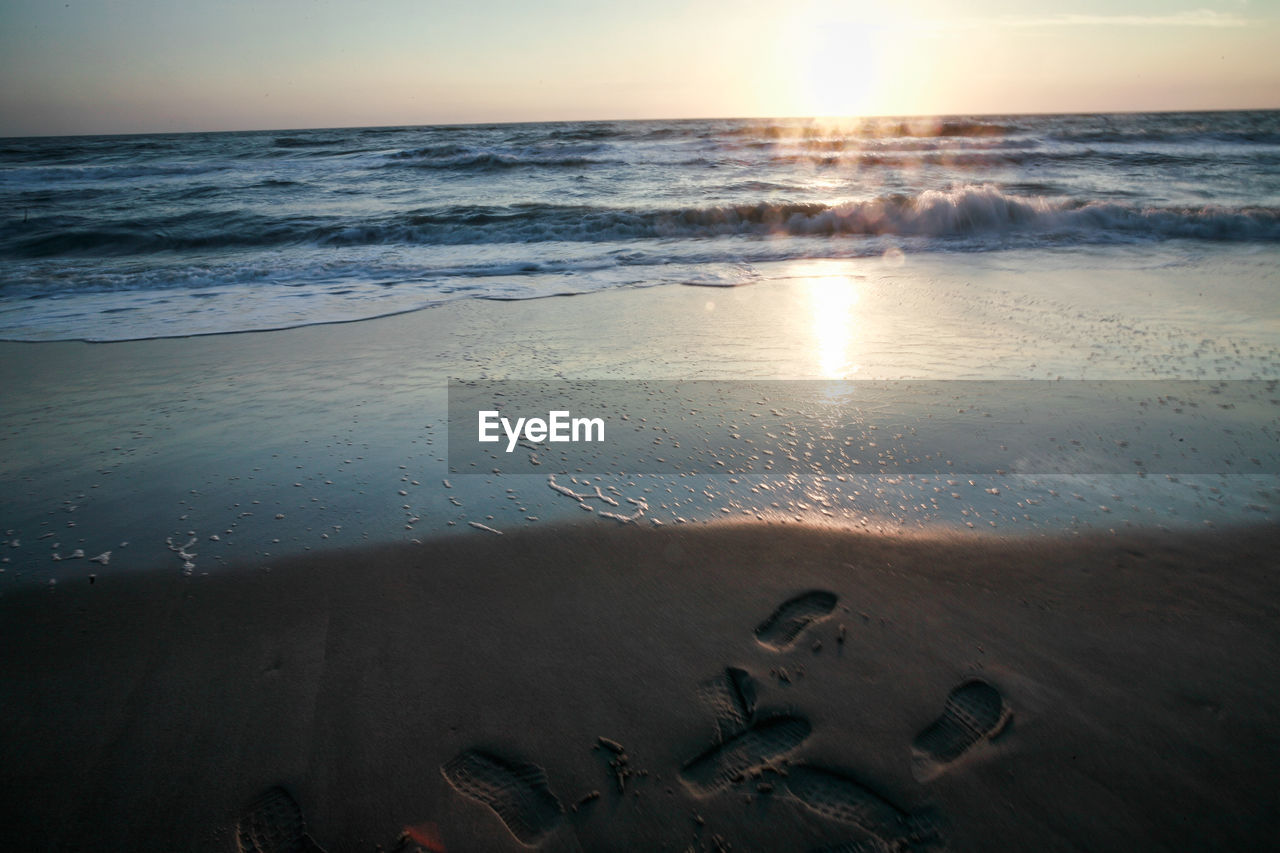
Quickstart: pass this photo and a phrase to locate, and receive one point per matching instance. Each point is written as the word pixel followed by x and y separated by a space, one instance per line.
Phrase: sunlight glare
pixel 833 54
pixel 832 299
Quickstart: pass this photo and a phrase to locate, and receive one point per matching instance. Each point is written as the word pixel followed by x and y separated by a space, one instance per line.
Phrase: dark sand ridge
pixel 1130 700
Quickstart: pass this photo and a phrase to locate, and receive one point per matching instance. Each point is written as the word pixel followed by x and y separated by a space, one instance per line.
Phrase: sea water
pixel 132 237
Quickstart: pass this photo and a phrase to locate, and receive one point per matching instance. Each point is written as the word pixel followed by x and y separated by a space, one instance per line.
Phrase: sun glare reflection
pixel 832 299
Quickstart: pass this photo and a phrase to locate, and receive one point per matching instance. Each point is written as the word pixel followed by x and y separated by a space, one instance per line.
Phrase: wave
pixel 432 152
pixel 969 211
pixel 80 150
pixel 1149 136
pixel 307 141
pixel 589 132
pixel 858 144
pixel 973 159
pixel 125 171
pixel 493 161
pixel 82 236
pixel 923 128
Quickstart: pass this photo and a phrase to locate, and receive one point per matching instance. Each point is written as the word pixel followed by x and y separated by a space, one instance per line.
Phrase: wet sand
pixel 335 436
pixel 759 686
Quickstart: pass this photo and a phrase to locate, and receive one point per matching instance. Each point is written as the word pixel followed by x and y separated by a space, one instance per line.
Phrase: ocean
pixel 108 238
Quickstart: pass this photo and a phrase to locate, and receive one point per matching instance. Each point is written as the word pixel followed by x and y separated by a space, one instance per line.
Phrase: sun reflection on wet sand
pixel 834 327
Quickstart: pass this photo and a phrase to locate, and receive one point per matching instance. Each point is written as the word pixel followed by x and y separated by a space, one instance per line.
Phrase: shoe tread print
pixel 789 620
pixel 842 799
pixel 974 711
pixel 754 748
pixel 517 792
pixel 731 699
pixel 273 823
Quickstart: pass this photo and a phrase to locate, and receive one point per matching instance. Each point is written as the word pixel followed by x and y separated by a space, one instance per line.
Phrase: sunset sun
pixel 838 74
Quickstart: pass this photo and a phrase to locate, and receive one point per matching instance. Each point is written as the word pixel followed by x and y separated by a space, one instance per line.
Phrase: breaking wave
pixel 960 212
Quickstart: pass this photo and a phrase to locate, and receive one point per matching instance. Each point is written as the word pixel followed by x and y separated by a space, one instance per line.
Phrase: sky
pixel 139 66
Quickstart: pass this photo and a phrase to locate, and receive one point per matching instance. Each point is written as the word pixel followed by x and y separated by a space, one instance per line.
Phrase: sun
pixel 837 75
pixel 836 59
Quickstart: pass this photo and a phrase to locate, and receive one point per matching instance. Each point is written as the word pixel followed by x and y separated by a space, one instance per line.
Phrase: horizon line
pixel 812 118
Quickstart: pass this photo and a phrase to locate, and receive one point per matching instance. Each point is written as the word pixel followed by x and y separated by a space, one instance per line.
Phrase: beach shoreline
pixel 148 710
pixel 336 435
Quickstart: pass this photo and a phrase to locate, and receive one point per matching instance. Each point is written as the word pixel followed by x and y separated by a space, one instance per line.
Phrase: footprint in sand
pixel 731 699
pixel 753 749
pixel 518 793
pixel 743 744
pixel 869 845
pixel 785 624
pixel 974 711
pixel 273 823
pixel 842 799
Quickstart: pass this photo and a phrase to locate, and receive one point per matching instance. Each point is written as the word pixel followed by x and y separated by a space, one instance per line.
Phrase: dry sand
pixel 771 687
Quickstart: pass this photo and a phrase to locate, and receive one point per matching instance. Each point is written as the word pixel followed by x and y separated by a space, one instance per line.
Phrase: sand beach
pixel 730 686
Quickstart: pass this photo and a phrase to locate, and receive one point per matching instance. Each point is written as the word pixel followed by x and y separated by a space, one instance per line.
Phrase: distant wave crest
pixel 462 158
pixel 922 128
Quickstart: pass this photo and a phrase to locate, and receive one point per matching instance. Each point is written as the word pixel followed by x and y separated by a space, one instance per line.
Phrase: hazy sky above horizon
pixel 91 66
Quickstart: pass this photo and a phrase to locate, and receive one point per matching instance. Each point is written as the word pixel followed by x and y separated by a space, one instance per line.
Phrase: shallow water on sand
pixel 266 444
